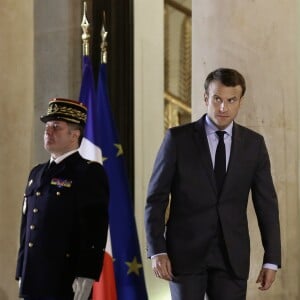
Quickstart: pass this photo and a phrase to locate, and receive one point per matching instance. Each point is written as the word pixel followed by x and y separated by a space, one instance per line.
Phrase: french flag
pixel 122 276
pixel 90 149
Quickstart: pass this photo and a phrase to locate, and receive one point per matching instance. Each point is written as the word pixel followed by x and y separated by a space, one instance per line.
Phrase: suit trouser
pixel 216 279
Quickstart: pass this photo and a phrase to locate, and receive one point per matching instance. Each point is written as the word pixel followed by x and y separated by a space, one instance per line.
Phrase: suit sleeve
pixel 158 196
pixel 92 210
pixel 266 208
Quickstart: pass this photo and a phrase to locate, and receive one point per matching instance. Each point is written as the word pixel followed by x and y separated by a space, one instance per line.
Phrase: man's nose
pixel 48 130
pixel 223 107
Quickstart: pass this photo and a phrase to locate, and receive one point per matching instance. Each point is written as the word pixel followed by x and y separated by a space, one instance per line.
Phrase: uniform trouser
pixel 216 279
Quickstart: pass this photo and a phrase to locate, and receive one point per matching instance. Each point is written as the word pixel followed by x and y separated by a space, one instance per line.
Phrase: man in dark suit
pixel 207 169
pixel 65 213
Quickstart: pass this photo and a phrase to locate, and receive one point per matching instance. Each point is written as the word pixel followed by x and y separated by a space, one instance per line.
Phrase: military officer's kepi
pixel 66 110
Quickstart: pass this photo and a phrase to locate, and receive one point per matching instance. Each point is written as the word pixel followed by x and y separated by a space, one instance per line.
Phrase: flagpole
pixel 85 35
pixel 103 45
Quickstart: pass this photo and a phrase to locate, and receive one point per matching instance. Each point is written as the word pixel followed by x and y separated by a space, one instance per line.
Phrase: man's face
pixel 223 103
pixel 59 138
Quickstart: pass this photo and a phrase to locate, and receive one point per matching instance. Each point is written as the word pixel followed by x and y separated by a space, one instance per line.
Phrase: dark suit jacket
pixel 183 168
pixel 63 228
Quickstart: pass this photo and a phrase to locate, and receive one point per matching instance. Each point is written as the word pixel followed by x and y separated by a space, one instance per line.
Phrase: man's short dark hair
pixel 228 77
pixel 73 126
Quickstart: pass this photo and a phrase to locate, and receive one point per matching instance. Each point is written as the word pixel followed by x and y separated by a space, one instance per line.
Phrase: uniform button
pixel 57 193
pixel 67 255
pixel 35 210
pixel 30 245
pixel 37 193
pixel 32 227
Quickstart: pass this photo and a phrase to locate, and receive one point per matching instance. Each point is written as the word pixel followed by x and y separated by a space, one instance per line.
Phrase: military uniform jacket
pixel 184 170
pixel 64 226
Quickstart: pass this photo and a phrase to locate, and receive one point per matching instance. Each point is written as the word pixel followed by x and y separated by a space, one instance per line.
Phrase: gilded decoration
pixel 67 111
pixel 177 63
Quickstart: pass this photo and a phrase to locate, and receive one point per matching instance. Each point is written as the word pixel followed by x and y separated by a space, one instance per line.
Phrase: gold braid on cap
pixel 67 111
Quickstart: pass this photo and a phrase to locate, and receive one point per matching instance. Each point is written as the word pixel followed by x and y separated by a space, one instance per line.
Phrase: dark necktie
pixel 50 168
pixel 220 161
pixel 52 165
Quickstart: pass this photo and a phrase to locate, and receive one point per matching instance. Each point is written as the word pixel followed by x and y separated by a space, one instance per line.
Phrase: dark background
pixel 119 25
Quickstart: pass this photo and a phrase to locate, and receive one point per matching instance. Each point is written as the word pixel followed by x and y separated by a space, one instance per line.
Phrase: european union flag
pixel 128 266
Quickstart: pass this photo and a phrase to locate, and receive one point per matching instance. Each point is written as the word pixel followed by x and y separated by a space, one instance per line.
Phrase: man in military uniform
pixel 65 213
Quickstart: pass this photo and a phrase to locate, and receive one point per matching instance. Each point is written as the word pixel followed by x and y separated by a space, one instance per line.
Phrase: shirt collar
pixel 211 128
pixel 59 159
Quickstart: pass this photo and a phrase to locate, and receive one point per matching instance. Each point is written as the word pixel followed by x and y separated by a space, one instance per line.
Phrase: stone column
pixel 57 59
pixel 16 85
pixel 40 58
pixel 149 118
pixel 259 38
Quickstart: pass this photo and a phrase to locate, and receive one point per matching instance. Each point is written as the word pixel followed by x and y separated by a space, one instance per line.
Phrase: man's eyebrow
pixel 230 98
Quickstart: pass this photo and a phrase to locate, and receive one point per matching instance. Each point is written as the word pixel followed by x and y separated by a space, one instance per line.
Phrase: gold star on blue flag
pixel 120 149
pixel 134 266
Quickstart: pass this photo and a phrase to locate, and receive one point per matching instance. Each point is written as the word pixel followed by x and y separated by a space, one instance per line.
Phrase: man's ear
pixel 76 133
pixel 205 98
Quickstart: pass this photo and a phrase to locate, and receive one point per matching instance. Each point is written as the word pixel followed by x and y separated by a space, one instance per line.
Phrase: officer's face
pixel 59 138
pixel 223 103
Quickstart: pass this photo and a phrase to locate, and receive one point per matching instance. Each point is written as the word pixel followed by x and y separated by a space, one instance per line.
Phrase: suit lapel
pixel 202 143
pixel 236 153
